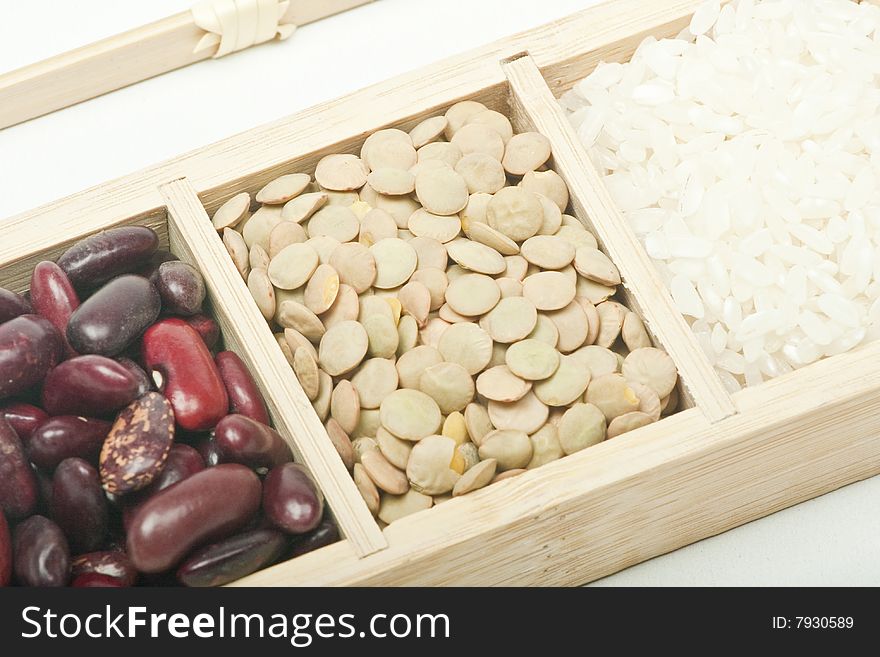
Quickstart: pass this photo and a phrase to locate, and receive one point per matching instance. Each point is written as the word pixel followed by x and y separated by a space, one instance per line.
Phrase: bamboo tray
pixel 722 461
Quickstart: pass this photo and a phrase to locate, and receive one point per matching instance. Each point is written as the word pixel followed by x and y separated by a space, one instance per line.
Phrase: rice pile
pixel 742 152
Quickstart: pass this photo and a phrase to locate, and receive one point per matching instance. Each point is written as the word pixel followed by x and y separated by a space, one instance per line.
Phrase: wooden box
pixel 722 461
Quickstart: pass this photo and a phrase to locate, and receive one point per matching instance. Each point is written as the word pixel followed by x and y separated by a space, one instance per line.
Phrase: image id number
pixel 813 622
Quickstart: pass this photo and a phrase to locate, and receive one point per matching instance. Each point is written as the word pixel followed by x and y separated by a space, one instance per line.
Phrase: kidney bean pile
pixel 129 451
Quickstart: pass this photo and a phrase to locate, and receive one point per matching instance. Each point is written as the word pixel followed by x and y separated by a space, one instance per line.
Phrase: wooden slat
pixel 194 240
pixel 635 497
pixel 572 62
pixel 534 104
pixel 523 123
pixel 570 47
pixel 121 60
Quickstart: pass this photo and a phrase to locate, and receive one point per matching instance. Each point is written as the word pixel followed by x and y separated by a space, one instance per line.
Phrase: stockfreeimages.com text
pixel 300 629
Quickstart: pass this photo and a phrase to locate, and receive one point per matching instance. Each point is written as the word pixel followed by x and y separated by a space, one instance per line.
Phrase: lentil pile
pixel 451 325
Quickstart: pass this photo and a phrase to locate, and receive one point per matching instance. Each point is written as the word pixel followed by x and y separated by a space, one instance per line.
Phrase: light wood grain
pixel 121 60
pixel 637 496
pixel 220 170
pixel 534 105
pixel 194 240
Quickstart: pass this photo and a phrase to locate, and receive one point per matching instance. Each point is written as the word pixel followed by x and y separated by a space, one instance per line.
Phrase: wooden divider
pixel 194 240
pixel 533 105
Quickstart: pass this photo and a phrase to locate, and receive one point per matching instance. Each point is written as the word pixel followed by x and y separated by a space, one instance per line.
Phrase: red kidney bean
pixel 323 535
pixel 23 417
pixel 95 386
pixel 143 381
pixel 97 259
pixel 5 552
pixel 19 493
pixel 53 297
pixel 208 506
pixel 181 287
pixel 205 327
pixel 232 558
pixel 112 564
pixel 180 363
pixel 29 347
pixel 244 396
pixel 183 462
pixel 94 581
pixel 152 266
pixel 12 305
pixel 291 501
pixel 78 504
pixel 241 440
pixel 109 320
pixel 66 436
pixel 41 556
pixel 137 446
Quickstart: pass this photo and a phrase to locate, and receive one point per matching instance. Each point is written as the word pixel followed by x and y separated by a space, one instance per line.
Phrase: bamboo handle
pixel 121 60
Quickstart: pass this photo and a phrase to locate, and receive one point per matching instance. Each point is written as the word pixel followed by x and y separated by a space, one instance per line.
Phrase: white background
pixel 832 540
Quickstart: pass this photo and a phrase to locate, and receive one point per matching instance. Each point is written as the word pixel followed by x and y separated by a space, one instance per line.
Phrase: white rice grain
pixel 743 153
